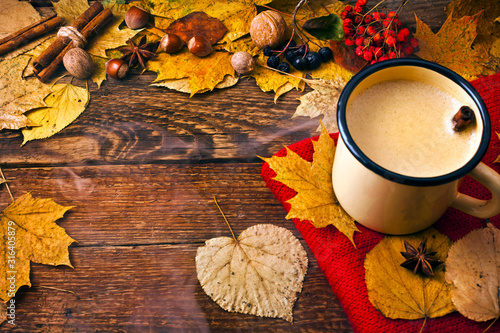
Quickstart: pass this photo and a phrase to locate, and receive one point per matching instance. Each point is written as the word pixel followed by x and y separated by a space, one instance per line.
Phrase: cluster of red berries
pixel 376 36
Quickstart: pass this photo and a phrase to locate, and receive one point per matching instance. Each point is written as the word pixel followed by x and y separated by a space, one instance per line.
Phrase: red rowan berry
pixel 368 19
pixel 357 20
pixel 391 41
pixel 414 42
pixel 378 16
pixel 349 41
pixel 392 14
pixel 359 41
pixel 361 2
pixel 378 39
pixel 367 55
pixel 360 30
pixel 344 14
pixel 367 41
pixel 371 30
pixel 397 23
pixel 348 31
pixel 392 55
pixel 347 22
pixel 359 51
pixel 358 8
pixel 348 8
pixel 377 52
pixel 408 50
pixel 405 32
pixel 402 38
pixel 382 58
pixel 388 33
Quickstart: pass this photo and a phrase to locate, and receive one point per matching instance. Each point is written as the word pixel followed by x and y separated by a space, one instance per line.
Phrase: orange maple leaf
pixel 451 46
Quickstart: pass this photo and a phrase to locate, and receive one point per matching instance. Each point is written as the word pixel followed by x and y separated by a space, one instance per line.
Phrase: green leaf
pixel 325 27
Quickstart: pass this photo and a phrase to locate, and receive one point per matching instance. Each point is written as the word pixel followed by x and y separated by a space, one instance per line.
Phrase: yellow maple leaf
pixel 451 46
pixel 315 200
pixel 399 293
pixel 473 267
pixel 202 74
pixel 64 105
pixel 18 95
pixel 29 233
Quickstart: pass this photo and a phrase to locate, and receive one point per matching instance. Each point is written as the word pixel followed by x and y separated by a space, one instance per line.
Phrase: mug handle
pixel 481 208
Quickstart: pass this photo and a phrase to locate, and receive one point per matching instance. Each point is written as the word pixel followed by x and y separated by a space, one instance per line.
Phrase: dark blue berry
pixel 292 43
pixel 301 51
pixel 268 51
pixel 325 53
pixel 313 60
pixel 284 67
pixel 290 55
pixel 299 63
pixel 273 61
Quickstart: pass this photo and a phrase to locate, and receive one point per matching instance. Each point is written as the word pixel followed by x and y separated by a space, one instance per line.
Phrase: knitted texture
pixel 343 265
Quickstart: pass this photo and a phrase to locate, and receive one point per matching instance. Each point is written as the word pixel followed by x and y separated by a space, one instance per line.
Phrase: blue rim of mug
pixel 396 177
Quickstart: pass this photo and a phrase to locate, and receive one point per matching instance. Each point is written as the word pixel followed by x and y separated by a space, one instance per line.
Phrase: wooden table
pixel 141 166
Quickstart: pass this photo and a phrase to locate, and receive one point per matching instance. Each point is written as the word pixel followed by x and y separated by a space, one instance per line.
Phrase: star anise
pixel 141 53
pixel 419 260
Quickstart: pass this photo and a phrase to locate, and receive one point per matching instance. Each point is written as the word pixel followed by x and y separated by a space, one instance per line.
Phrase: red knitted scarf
pixel 343 265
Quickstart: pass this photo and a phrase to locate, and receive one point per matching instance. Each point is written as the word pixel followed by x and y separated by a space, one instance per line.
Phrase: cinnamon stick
pixel 44 59
pixel 91 28
pixel 463 118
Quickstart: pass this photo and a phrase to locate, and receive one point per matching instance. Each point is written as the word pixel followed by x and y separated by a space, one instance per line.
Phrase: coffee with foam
pixel 405 126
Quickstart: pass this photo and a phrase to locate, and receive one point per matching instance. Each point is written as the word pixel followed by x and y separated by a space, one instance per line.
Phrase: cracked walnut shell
pixel 268 29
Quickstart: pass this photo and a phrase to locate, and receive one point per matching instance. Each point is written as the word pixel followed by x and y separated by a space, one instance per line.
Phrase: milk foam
pixel 405 126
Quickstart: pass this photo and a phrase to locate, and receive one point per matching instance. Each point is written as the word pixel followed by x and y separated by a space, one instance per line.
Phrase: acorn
pixel 136 18
pixel 78 63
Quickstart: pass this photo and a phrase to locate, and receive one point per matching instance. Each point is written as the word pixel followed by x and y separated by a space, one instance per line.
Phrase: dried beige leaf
pixel 18 95
pixel 260 273
pixel 473 267
pixel 69 10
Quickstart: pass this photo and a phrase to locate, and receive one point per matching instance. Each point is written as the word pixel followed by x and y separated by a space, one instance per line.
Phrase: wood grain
pixel 141 166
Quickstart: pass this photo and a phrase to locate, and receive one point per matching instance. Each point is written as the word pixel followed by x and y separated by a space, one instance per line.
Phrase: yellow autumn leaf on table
pixel 69 10
pixel 259 273
pixel 29 233
pixel 17 94
pixel 451 46
pixel 235 15
pixel 473 267
pixel 64 105
pixel 315 200
pixel 397 292
pixel 99 73
pixel 202 74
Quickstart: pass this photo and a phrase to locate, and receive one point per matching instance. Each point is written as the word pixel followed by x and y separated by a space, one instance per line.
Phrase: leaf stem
pixel 225 219
pixel 423 325
pixel 7 185
pixel 492 323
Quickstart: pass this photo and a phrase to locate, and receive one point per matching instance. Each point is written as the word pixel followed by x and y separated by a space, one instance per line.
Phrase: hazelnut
pixel 78 63
pixel 136 18
pixel 199 46
pixel 117 68
pixel 268 29
pixel 242 62
pixel 171 43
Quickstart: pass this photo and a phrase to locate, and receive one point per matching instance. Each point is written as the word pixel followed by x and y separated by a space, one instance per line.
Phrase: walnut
pixel 242 62
pixel 268 29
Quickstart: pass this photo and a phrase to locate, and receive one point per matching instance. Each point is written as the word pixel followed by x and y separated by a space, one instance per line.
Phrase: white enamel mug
pixel 393 203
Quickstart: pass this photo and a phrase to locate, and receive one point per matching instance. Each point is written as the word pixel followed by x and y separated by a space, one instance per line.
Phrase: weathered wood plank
pixel 152 288
pixel 152 204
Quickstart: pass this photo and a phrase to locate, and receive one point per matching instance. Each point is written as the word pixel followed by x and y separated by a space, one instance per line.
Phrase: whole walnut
pixel 268 29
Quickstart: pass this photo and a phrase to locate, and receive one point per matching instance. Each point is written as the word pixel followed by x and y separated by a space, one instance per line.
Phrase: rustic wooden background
pixel 141 166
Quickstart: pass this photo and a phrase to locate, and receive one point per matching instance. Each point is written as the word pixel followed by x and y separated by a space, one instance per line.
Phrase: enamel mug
pixel 393 203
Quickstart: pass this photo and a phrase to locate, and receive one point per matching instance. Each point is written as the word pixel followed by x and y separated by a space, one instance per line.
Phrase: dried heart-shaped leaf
pixel 18 95
pixel 29 233
pixel 198 23
pixel 64 105
pixel 473 267
pixel 260 273
pixel 315 200
pixel 399 293
pixel 452 46
pixel 327 27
